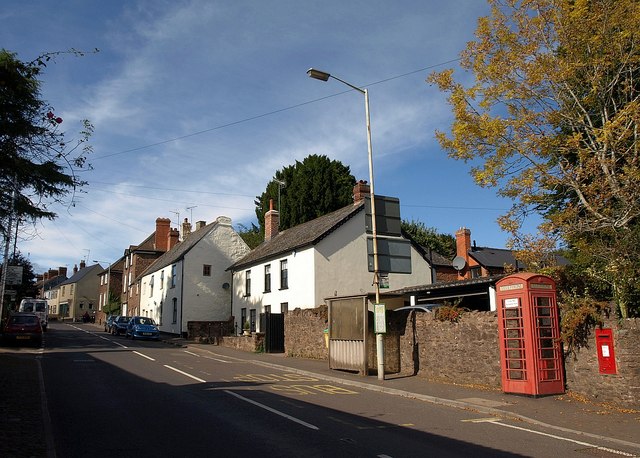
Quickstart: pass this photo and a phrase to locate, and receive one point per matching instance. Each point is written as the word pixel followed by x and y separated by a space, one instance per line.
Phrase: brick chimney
pixel 200 225
pixel 271 222
pixel 463 243
pixel 82 264
pixel 360 191
pixel 173 237
pixel 162 234
pixel 186 229
pixel 62 271
pixel 75 269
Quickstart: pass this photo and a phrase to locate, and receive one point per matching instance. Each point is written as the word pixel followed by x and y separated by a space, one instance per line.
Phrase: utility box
pixel 606 354
pixel 529 335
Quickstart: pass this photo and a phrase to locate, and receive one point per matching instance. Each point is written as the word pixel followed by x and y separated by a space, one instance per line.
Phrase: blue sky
pixel 197 103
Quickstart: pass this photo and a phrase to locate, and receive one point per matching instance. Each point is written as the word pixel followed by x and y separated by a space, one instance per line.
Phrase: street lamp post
pixel 324 76
pixel 108 281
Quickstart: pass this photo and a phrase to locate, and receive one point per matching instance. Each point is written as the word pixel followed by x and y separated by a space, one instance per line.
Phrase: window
pixel 175 310
pixel 476 272
pixel 284 307
pixel 161 279
pixel 252 320
pixel 247 283
pixel 206 270
pixel 63 290
pixel 71 289
pixel 243 318
pixel 151 287
pixel 267 278
pixel 284 274
pixel 81 305
pixel 160 314
pixel 173 275
pixel 267 309
pixel 90 305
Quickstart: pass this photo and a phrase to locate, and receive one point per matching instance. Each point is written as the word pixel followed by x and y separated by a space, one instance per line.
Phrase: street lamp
pixel 324 76
pixel 108 282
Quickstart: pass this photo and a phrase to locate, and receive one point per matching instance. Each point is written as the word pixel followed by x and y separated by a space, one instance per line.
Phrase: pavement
pixel 22 421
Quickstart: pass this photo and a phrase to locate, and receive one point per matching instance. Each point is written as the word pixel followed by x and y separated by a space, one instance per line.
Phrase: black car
pixel 119 325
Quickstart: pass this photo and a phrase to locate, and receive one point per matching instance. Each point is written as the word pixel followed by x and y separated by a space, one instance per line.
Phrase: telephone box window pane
pixel 516 375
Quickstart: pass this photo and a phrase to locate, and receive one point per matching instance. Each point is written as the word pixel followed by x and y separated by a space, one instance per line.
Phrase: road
pixel 110 396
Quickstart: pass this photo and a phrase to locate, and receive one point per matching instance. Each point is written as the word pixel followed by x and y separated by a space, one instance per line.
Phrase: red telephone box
pixel 529 333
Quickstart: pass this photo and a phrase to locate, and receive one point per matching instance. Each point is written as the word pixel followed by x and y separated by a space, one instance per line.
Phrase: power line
pixel 280 110
pixel 170 189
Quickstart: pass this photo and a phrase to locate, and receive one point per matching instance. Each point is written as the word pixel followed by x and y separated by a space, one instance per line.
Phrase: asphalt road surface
pixel 107 396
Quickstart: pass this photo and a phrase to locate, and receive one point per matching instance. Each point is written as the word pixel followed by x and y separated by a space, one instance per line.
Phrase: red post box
pixel 529 335
pixel 606 354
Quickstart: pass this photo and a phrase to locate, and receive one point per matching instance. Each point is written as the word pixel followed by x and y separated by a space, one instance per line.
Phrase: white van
pixel 38 306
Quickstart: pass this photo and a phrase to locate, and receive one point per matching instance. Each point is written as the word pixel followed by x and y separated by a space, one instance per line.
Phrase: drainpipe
pixel 181 297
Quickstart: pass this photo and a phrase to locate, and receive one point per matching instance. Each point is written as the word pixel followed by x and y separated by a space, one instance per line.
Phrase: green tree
pixel 306 190
pixel 552 121
pixel 428 237
pixel 251 235
pixel 38 167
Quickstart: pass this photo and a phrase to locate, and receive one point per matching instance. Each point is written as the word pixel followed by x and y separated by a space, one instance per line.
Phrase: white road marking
pixel 185 374
pixel 553 436
pixel 144 356
pixel 207 357
pixel 272 410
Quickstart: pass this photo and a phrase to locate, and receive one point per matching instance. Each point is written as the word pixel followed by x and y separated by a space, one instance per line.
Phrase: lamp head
pixel 318 74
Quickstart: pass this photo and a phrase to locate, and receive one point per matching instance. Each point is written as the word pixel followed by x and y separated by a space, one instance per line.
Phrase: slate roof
pixel 302 235
pixel 79 275
pixel 179 250
pixel 436 259
pixel 117 266
pixel 495 257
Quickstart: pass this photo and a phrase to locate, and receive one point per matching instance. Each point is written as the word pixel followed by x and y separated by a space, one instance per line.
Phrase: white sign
pixel 605 351
pixel 380 322
pixel 511 303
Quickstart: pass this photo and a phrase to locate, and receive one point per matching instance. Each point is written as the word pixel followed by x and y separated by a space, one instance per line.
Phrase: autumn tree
pixel 551 120
pixel 306 190
pixel 38 165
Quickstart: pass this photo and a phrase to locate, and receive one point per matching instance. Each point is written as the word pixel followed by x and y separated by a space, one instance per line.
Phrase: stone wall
pixel 209 331
pixel 468 352
pixel 582 369
pixel 304 333
pixel 253 343
pixel 465 352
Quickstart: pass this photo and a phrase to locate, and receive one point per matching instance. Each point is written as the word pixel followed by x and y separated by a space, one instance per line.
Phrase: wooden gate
pixel 272 324
pixel 348 334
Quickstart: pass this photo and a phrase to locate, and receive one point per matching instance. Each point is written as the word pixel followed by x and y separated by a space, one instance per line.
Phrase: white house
pixel 190 282
pixel 301 266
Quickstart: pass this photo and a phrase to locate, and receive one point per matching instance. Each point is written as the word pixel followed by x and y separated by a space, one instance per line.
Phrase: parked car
pixel 119 325
pixel 23 327
pixel 108 323
pixel 141 327
pixel 38 306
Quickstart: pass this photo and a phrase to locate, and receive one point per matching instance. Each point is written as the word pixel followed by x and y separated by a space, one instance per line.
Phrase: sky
pixel 197 103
